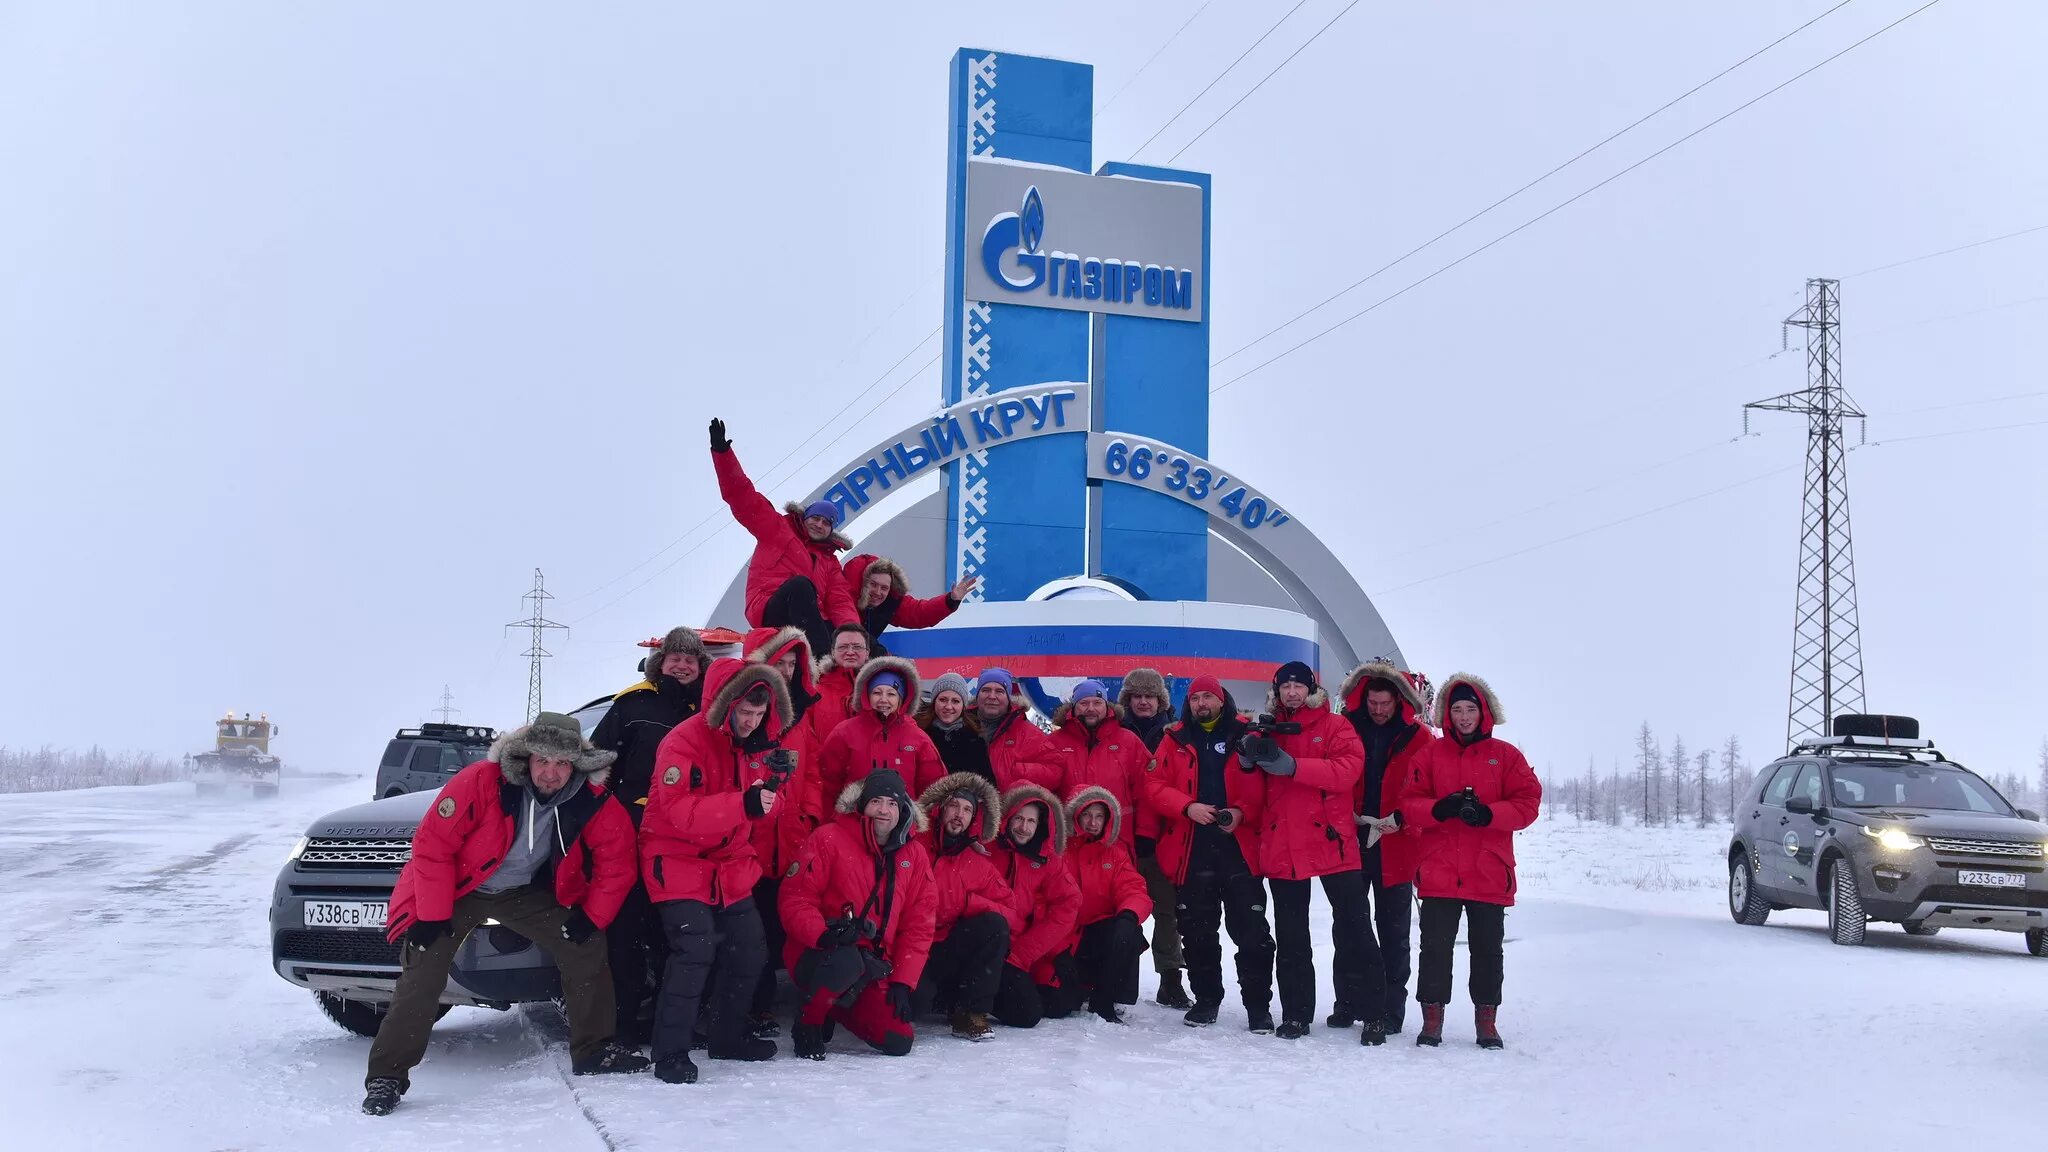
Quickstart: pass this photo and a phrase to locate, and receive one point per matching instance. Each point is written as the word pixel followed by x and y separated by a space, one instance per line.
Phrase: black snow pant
pixel 1106 961
pixel 767 902
pixel 1020 1003
pixel 795 605
pixel 1360 981
pixel 636 950
pixel 1393 910
pixel 1485 932
pixel 1220 891
pixel 698 936
pixel 966 968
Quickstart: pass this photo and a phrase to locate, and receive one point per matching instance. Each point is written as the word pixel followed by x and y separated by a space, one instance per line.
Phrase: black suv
pixel 424 758
pixel 1874 823
pixel 327 913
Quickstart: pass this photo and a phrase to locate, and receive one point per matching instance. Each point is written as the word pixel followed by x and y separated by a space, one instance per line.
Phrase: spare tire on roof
pixel 1880 727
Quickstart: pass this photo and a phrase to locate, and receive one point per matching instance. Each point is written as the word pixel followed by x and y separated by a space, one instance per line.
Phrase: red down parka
pixel 966 880
pixel 1110 757
pixel 866 742
pixel 696 841
pixel 1306 827
pixel 1048 901
pixel 795 816
pixel 1460 862
pixel 909 611
pixel 1020 753
pixel 835 706
pixel 1400 851
pixel 462 839
pixel 781 550
pixel 842 870
pixel 1173 781
pixel 1104 869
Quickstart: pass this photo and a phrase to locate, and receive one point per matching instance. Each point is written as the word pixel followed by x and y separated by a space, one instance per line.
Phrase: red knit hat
pixel 1209 684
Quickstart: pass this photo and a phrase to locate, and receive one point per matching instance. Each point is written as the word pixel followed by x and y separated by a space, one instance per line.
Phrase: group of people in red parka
pixel 904 854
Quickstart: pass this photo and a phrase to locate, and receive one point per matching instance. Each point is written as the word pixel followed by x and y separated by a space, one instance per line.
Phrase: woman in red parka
pixel 794 575
pixel 1099 965
pixel 1469 794
pixel 794 817
pixel 859 906
pixel 716 777
pixel 1031 857
pixel 884 734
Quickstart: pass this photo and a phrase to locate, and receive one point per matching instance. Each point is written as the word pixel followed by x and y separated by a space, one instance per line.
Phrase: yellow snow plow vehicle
pixel 240 757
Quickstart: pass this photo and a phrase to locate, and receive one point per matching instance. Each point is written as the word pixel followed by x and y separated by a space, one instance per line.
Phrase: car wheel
pixel 2037 941
pixel 1846 920
pixel 1916 928
pixel 361 1017
pixel 1744 904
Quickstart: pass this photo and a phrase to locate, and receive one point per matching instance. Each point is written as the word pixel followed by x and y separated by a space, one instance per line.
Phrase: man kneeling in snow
pixel 974 917
pixel 539 847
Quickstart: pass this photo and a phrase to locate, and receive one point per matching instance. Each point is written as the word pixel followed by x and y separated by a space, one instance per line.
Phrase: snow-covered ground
pixel 139 1011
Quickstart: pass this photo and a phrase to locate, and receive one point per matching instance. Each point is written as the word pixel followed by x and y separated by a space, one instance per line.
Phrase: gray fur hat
pixel 1144 682
pixel 679 641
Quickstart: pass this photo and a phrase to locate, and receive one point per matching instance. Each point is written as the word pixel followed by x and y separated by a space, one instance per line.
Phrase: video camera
pixel 1258 743
pixel 781 766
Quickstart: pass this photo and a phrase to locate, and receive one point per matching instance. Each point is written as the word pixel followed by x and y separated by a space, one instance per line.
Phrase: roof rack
pixel 1894 743
pixel 448 732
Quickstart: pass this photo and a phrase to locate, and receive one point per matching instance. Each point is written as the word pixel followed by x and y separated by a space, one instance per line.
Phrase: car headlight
pixel 1893 839
pixel 298 849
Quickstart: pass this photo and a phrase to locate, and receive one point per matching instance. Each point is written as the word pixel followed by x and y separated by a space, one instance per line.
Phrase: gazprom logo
pixel 1010 255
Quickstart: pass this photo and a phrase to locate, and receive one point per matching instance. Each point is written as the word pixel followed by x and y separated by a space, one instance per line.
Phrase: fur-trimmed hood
pixel 1056 825
pixel 860 567
pixel 1490 714
pixel 1091 795
pixel 727 680
pixel 795 512
pixel 1320 698
pixel 988 803
pixel 914 822
pixel 912 686
pixel 1064 711
pixel 514 751
pixel 763 645
pixel 1352 692
pixel 1145 682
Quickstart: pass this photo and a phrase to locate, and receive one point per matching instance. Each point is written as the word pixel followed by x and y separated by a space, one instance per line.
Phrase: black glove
pixel 1278 764
pixel 899 1001
pixel 839 933
pixel 1447 808
pixel 1127 914
pixel 578 927
pixel 1255 748
pixel 1476 813
pixel 425 933
pixel 1064 971
pixel 718 441
pixel 1147 847
pixel 752 801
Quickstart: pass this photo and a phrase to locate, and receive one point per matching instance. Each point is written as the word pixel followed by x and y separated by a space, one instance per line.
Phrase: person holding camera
pixel 1207 805
pixel 1309 761
pixel 716 775
pixel 1469 794
pixel 859 907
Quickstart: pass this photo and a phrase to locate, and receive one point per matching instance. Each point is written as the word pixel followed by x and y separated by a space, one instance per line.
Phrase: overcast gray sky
pixel 321 326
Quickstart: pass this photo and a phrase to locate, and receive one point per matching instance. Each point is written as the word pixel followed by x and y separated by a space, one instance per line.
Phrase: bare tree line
pixel 47 769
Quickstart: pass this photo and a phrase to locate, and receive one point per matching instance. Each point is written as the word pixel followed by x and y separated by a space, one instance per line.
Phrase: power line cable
pixel 1945 251
pixel 1632 126
pixel 1149 59
pixel 1140 149
pixel 1268 76
pixel 1556 208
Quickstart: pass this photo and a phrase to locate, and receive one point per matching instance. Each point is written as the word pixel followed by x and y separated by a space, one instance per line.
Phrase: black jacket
pixel 634 727
pixel 963 750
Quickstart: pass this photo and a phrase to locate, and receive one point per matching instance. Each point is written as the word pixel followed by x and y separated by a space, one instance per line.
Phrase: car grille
pixel 2016 848
pixel 1992 897
pixel 337 947
pixel 331 853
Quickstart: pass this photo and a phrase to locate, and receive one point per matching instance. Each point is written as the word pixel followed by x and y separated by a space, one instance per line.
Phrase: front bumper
pixel 1921 887
pixel 495 967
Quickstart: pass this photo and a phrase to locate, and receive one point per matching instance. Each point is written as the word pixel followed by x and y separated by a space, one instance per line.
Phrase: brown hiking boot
pixel 1483 1019
pixel 972 1026
pixel 1432 1033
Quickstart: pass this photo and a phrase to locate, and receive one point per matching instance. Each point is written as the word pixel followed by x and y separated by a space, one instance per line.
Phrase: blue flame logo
pixel 1033 219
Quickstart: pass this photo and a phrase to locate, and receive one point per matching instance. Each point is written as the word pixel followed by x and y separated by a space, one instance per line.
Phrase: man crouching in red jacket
pixel 858 907
pixel 528 838
pixel 1099 966
pixel 716 776
pixel 1469 794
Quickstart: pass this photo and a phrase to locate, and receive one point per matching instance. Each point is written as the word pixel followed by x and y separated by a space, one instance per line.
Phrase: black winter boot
pixel 1340 1017
pixel 680 1070
pixel 808 1040
pixel 1375 1034
pixel 1200 1016
pixel 1171 993
pixel 750 1048
pixel 382 1096
pixel 1292 1029
pixel 765 1026
pixel 609 1059
pixel 1261 1021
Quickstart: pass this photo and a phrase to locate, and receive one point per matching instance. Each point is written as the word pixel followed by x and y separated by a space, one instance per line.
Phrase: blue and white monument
pixel 1067 465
